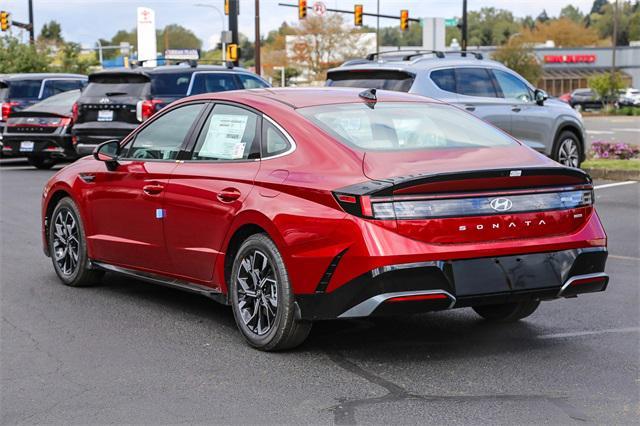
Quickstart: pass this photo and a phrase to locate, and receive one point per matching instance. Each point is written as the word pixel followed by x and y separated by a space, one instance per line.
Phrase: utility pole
pixel 257 43
pixel 614 40
pixel 233 24
pixel 32 38
pixel 463 44
pixel 378 29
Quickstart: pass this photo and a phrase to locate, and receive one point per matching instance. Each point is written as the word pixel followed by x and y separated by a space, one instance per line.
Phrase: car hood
pixel 385 165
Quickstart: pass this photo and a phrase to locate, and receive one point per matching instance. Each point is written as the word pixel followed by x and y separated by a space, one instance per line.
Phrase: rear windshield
pixel 115 84
pixel 24 89
pixel 392 126
pixel 57 103
pixel 388 80
pixel 170 84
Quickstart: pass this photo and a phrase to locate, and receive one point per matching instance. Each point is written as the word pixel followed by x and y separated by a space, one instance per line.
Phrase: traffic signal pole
pixel 32 38
pixel 463 43
pixel 233 24
pixel 257 35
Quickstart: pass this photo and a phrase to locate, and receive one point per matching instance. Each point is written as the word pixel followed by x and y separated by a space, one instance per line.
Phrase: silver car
pixel 483 87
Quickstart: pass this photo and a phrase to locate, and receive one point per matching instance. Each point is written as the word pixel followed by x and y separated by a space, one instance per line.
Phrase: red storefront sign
pixel 569 59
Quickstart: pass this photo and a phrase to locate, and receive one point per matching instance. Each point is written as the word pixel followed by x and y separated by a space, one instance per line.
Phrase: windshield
pixel 116 84
pixel 398 126
pixel 24 89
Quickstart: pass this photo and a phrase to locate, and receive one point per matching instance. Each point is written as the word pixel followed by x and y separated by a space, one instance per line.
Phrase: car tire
pixel 68 247
pixel 42 163
pixel 507 312
pixel 567 149
pixel 259 283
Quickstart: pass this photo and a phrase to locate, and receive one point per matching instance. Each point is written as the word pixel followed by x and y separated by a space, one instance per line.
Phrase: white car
pixel 629 97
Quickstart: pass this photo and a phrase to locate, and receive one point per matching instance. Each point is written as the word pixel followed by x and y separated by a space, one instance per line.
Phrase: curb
pixel 611 174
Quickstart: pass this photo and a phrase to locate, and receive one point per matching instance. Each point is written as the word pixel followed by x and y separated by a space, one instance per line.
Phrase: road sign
pixel 319 8
pixel 451 22
pixel 182 54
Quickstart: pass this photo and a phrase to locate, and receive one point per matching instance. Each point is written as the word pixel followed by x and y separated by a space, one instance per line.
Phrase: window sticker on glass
pixel 224 137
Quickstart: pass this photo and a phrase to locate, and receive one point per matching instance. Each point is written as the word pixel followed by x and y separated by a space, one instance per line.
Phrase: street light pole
pixel 614 40
pixel 378 29
pixel 257 42
pixel 32 38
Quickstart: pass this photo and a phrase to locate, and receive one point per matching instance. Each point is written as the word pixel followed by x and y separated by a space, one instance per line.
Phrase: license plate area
pixel 511 273
pixel 26 146
pixel 105 115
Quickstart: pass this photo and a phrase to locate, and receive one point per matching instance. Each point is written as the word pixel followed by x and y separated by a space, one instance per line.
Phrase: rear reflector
pixel 417 297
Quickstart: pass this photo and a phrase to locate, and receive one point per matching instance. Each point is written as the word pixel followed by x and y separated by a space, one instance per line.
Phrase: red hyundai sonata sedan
pixel 297 205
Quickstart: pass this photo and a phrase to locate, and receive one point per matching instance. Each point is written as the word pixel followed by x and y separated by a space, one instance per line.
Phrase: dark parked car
pixel 42 131
pixel 116 101
pixel 582 99
pixel 18 91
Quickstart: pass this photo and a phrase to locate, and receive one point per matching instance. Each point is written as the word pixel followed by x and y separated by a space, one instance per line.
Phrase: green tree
pixel 605 86
pixel 628 16
pixel 519 57
pixel 543 17
pixel 70 59
pixel 176 36
pixel 597 6
pixel 573 13
pixel 491 26
pixel 16 57
pixel 51 32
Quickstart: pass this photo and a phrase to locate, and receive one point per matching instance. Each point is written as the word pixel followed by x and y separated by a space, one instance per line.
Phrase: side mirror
pixel 108 153
pixel 540 96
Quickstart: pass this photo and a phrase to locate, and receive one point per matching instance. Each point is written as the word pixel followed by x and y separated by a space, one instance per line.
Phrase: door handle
pixel 153 189
pixel 228 195
pixel 469 107
pixel 516 109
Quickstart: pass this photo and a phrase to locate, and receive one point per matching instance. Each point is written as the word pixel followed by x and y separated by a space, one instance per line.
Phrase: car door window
pixel 250 82
pixel 228 134
pixel 209 82
pixel 475 82
pixel 162 138
pixel 512 87
pixel 444 79
pixel 273 141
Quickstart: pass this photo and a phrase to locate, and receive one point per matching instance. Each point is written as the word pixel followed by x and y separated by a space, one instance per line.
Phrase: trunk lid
pixel 460 196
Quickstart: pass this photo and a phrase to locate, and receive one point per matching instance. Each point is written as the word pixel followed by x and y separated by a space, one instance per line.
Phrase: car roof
pixel 168 69
pixel 40 76
pixel 416 64
pixel 307 96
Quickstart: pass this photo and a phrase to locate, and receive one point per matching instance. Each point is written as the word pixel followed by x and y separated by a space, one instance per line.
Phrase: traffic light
pixel 226 7
pixel 302 9
pixel 357 15
pixel 232 52
pixel 4 20
pixel 404 19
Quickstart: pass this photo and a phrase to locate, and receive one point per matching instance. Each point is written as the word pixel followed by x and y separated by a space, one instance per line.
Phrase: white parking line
pixel 611 185
pixel 599 132
pixel 590 333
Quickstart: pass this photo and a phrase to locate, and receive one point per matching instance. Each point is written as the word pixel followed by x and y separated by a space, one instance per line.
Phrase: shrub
pixel 614 151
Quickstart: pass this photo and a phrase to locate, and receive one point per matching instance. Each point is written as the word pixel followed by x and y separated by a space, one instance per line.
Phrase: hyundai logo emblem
pixel 501 204
pixel 105 100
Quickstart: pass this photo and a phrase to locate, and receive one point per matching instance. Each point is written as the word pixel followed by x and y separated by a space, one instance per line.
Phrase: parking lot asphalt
pixel 612 129
pixel 131 352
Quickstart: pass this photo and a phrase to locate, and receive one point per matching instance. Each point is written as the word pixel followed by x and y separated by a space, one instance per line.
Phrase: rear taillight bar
pixel 405 209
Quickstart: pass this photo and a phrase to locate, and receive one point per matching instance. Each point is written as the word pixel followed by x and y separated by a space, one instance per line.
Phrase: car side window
pixel 208 82
pixel 162 138
pixel 273 141
pixel 512 87
pixel 475 82
pixel 54 87
pixel 444 79
pixel 230 133
pixel 250 82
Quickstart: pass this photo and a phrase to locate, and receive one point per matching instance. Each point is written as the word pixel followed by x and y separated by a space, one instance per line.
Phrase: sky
pixel 84 21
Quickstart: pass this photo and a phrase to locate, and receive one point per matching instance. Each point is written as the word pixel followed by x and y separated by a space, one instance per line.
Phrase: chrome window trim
pixel 366 308
pixel 286 135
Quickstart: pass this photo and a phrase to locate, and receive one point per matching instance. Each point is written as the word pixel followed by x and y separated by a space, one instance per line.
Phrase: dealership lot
pixel 612 129
pixel 128 351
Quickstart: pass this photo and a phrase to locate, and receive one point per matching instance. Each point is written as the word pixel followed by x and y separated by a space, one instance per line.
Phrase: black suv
pixel 116 101
pixel 18 91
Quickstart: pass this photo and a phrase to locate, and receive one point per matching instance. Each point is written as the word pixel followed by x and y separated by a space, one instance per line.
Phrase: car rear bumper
pixel 446 284
pixel 55 146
